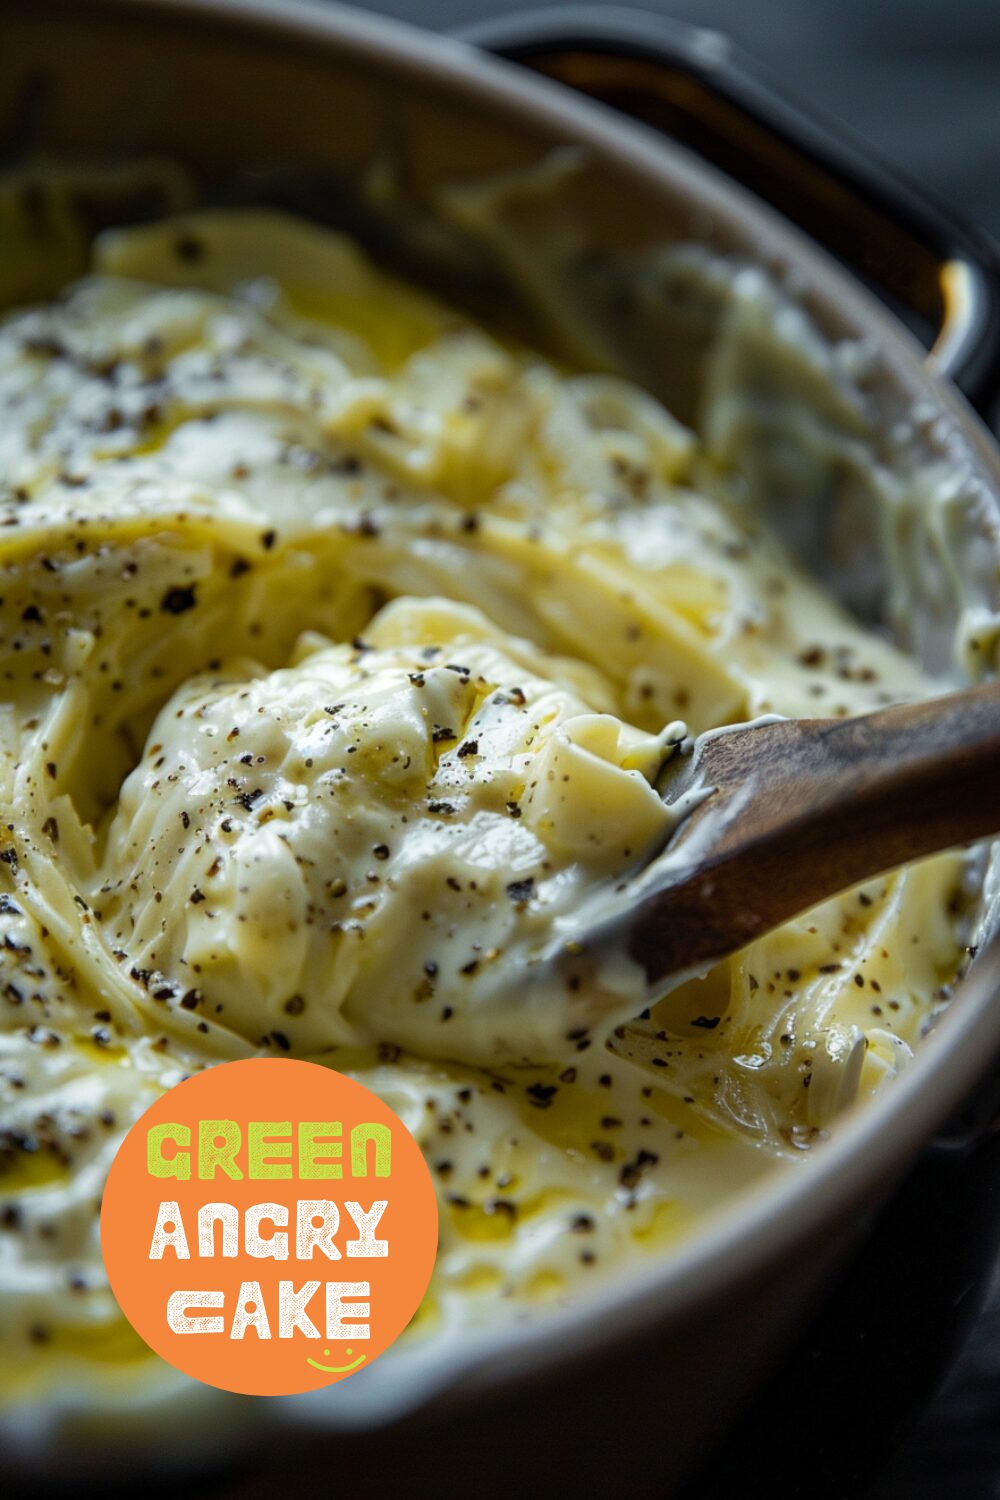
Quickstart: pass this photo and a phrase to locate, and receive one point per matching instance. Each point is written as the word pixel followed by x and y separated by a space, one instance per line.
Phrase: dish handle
pixel 940 274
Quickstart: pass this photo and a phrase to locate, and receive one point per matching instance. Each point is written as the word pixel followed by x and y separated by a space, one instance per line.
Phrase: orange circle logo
pixel 269 1226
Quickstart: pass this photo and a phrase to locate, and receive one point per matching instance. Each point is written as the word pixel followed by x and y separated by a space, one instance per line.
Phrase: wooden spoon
pixel 793 811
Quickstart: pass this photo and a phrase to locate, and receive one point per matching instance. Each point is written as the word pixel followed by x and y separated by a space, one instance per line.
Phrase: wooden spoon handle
pixel 806 808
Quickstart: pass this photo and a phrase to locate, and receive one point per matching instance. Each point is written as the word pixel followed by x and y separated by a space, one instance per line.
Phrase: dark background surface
pixel 919 80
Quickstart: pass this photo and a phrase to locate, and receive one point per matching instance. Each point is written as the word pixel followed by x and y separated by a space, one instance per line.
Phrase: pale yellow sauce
pixel 323 610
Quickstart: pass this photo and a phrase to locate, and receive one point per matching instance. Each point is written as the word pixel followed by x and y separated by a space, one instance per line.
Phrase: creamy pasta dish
pixel 343 643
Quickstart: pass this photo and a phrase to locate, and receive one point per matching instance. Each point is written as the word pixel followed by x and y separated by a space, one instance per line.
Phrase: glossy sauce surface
pixel 341 645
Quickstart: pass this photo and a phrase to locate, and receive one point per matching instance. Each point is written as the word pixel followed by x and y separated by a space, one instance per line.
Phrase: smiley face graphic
pixel 338 1369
